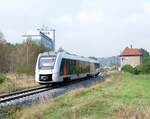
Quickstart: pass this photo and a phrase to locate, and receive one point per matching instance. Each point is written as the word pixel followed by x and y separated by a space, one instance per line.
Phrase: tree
pixel 146 56
pixel 5 60
pixel 144 52
pixel 2 38
pixel 20 58
pixel 25 56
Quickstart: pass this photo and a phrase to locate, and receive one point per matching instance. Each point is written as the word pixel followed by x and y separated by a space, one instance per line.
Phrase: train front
pixel 45 68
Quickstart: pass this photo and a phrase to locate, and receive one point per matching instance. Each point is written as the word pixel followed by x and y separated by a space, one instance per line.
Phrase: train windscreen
pixel 47 62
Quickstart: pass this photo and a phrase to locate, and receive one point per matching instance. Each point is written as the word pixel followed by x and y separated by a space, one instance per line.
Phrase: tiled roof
pixel 131 52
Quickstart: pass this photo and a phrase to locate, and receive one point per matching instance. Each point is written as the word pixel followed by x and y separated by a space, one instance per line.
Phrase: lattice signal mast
pixel 44 31
pixel 47 31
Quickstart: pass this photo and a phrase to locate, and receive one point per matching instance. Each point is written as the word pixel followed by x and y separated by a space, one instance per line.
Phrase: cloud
pixel 86 27
pixel 110 25
pixel 147 6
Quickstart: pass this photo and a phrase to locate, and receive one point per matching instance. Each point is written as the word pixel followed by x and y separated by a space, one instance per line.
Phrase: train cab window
pixel 47 62
pixel 97 65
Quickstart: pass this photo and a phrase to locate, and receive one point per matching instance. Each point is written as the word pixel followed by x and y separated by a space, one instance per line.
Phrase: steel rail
pixel 20 94
pixel 25 93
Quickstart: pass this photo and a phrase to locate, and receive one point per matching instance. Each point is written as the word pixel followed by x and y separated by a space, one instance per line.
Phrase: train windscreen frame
pixel 47 62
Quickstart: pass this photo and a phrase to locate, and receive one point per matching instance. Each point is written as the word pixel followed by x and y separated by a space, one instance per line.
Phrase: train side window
pixel 68 66
pixel 62 66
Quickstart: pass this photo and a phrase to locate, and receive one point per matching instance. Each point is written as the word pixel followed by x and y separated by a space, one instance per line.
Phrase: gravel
pixel 50 94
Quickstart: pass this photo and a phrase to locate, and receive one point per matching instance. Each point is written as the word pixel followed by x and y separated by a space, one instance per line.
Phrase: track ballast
pixel 5 98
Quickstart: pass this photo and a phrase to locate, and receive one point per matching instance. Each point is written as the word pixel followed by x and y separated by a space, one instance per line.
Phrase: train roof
pixel 50 53
pixel 69 56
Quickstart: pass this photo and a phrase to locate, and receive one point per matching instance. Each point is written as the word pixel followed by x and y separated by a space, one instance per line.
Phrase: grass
pixel 11 83
pixel 121 96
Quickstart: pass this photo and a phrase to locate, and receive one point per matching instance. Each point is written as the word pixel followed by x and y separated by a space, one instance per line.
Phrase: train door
pixel 92 68
pixel 78 68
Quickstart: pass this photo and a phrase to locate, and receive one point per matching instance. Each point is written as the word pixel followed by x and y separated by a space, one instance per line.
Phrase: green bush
pixel 143 68
pixel 2 78
pixel 140 69
pixel 128 68
pixel 135 71
pixel 146 59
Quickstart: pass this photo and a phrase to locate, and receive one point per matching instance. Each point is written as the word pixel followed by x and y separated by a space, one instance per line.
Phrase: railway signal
pixel 46 40
pixel 44 34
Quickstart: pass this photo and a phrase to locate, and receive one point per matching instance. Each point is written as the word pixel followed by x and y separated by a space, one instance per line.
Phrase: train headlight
pixel 44 78
pixel 47 77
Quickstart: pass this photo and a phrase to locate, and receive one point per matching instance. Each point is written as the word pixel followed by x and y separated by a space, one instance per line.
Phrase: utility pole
pixel 27 50
pixel 27 47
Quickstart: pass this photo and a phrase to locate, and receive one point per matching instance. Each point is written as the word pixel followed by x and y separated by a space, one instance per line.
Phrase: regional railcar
pixel 55 67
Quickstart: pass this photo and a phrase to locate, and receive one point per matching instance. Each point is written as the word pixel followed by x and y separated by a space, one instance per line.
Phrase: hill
pixel 109 61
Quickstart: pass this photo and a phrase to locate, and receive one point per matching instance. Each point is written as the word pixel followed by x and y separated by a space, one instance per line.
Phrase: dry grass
pixel 124 96
pixel 34 112
pixel 15 82
pixel 127 112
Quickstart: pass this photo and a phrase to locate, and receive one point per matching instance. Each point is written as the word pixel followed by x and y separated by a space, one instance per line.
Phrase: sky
pixel 98 28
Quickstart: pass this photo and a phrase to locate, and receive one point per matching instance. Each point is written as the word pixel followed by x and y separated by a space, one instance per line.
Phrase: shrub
pixel 140 69
pixel 128 68
pixel 143 68
pixel 2 78
pixel 146 59
pixel 135 71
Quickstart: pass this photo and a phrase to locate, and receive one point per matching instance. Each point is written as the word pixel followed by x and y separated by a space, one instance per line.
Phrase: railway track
pixel 21 94
pixel 6 98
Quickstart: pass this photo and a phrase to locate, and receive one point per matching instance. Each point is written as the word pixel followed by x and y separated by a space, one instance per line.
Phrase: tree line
pixel 20 58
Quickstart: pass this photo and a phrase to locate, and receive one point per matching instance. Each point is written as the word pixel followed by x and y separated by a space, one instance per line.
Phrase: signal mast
pixel 44 32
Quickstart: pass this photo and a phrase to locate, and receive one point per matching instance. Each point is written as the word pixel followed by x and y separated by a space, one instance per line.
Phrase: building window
pixel 124 59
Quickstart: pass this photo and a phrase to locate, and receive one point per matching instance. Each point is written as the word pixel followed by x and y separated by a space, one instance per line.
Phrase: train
pixel 58 67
